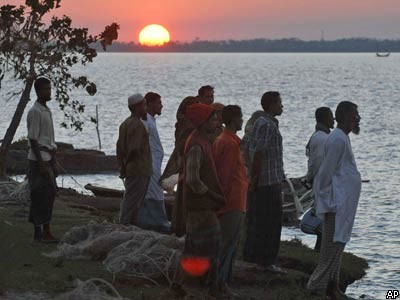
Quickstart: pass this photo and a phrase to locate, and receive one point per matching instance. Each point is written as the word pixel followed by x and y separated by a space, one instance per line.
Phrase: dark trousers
pixel 264 225
pixel 43 189
pixel 231 225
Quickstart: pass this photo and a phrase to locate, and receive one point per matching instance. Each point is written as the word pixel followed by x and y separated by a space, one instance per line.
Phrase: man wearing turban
pixel 202 193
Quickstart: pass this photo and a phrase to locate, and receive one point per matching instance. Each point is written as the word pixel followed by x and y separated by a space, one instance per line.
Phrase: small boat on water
pixel 104 192
pixel 296 198
pixel 382 54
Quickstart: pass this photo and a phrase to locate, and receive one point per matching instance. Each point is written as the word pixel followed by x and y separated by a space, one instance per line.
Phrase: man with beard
pixel 134 159
pixel 152 214
pixel 337 189
pixel 202 193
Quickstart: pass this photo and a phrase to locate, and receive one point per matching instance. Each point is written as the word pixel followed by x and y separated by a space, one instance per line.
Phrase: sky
pixel 239 19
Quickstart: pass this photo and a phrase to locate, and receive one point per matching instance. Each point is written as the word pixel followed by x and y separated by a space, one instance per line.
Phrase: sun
pixel 154 35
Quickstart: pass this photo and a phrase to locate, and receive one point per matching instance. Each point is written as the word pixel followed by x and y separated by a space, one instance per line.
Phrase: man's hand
pixel 44 169
pixel 122 172
pixel 220 199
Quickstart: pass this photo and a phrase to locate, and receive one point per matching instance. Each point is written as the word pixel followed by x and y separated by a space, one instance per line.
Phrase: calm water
pixel 305 81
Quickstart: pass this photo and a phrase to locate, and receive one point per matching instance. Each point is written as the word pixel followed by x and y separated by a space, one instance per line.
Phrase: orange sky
pixel 237 19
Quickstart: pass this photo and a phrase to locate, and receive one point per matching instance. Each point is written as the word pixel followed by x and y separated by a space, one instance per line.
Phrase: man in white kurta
pixel 315 149
pixel 152 214
pixel 337 188
pixel 316 145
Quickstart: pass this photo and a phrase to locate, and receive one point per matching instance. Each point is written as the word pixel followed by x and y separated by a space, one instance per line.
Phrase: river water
pixel 306 81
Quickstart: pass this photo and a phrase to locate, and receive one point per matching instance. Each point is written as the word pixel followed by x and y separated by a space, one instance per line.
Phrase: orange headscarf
pixel 199 113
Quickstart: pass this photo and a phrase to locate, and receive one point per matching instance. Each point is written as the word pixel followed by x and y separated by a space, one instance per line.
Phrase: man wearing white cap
pixel 134 159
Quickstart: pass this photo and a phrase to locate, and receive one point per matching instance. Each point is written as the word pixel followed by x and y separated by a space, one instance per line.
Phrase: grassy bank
pixel 23 267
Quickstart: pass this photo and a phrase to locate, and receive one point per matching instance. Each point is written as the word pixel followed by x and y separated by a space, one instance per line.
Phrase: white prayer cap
pixel 135 99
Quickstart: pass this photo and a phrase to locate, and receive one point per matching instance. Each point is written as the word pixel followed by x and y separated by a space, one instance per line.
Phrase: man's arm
pixel 312 161
pixel 263 135
pixel 33 122
pixel 121 155
pixel 192 174
pixel 225 157
pixel 334 152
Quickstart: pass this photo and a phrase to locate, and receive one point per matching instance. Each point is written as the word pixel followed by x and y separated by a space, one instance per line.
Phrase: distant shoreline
pixel 248 52
pixel 292 45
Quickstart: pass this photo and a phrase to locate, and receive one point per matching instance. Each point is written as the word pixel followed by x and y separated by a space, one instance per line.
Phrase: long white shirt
pixel 41 129
pixel 337 186
pixel 155 191
pixel 315 153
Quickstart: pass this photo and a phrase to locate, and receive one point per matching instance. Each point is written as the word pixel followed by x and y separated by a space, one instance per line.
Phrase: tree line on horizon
pixel 265 45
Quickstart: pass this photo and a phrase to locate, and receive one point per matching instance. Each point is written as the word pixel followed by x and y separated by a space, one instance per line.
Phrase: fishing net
pixel 93 241
pixel 14 193
pixel 148 255
pixel 127 250
pixel 92 289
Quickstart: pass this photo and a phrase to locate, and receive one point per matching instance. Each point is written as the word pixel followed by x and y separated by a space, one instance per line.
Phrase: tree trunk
pixel 12 129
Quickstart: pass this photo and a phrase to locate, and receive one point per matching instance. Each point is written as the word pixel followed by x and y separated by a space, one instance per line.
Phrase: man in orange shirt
pixel 232 175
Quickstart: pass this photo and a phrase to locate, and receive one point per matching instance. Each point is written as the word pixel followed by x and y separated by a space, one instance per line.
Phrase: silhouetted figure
pixel 315 148
pixel 183 128
pixel 152 214
pixel 232 176
pixel 206 94
pixel 42 171
pixel 202 193
pixel 337 188
pixel 134 159
pixel 264 216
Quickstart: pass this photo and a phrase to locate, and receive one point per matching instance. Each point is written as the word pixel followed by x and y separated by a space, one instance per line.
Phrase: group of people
pixel 222 181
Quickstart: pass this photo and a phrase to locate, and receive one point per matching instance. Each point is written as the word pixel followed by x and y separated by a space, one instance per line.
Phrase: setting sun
pixel 154 35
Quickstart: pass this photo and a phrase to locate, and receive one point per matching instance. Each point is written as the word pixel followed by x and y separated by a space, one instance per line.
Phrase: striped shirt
pixel 266 138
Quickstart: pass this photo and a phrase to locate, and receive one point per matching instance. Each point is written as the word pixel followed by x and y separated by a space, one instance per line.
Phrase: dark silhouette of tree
pixel 31 48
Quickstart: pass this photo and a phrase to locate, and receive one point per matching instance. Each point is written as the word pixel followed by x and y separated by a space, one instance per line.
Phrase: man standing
pixel 265 197
pixel 41 157
pixel 232 175
pixel 134 159
pixel 206 94
pixel 337 189
pixel 152 214
pixel 202 194
pixel 315 146
pixel 183 128
pixel 315 149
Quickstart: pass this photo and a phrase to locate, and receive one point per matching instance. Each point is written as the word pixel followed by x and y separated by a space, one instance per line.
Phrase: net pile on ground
pixel 149 255
pixel 127 250
pixel 92 289
pixel 93 241
pixel 14 193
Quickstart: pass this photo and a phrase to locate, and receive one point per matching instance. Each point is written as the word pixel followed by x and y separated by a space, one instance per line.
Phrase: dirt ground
pixel 23 268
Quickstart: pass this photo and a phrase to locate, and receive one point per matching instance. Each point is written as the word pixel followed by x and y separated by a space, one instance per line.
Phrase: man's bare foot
pixel 49 239
pixel 226 290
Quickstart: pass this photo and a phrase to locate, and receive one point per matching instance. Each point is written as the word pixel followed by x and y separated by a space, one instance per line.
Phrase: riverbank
pixel 70 160
pixel 24 268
